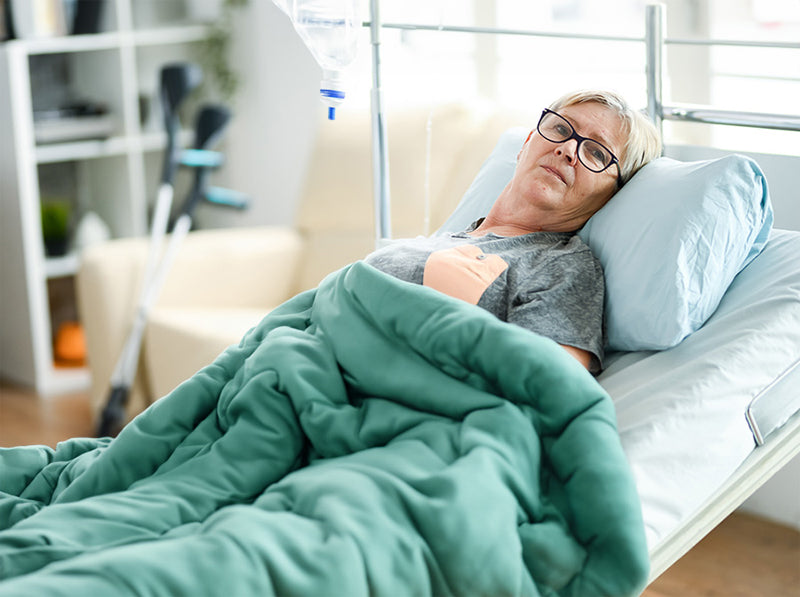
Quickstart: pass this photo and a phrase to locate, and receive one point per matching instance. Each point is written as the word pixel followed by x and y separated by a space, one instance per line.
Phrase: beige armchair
pixel 224 281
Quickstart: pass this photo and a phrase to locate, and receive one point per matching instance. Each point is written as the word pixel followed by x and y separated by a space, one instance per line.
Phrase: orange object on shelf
pixel 70 345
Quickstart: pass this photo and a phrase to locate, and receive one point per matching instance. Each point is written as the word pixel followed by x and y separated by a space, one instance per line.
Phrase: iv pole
pixel 380 154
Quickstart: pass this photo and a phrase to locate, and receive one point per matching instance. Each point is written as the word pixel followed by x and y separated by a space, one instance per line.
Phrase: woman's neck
pixel 512 215
pixel 500 229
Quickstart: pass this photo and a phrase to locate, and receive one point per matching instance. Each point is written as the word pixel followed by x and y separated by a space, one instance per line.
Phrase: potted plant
pixel 55 226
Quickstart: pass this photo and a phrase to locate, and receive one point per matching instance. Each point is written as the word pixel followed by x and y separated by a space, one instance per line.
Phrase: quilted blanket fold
pixel 369 437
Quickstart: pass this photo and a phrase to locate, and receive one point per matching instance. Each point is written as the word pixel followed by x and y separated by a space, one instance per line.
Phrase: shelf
pixel 59 267
pixel 100 148
pixel 104 167
pixel 69 43
pixel 82 150
pixel 66 380
pixel 111 41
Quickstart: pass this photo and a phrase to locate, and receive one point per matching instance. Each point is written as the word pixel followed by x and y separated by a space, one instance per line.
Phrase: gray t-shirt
pixel 547 282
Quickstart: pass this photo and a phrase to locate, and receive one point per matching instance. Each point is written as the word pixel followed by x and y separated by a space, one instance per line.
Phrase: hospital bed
pixel 708 421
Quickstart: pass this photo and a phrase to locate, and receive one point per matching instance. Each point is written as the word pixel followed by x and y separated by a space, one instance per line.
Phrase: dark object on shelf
pixel 72 110
pixel 6 29
pixel 73 122
pixel 144 109
pixel 87 16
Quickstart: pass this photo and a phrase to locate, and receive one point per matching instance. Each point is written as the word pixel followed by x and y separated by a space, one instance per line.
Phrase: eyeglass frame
pixel 580 139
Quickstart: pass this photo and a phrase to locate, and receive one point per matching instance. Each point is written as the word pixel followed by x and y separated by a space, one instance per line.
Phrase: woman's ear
pixel 528 138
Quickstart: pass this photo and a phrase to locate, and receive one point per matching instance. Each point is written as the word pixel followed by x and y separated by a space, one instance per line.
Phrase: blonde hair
pixel 642 140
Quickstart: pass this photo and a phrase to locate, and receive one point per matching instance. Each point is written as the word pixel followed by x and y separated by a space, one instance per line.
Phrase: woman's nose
pixel 568 149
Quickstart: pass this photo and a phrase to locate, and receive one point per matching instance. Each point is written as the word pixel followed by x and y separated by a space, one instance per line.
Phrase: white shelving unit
pixel 115 176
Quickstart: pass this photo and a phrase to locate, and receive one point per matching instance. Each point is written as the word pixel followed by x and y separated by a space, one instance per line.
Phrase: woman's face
pixel 550 178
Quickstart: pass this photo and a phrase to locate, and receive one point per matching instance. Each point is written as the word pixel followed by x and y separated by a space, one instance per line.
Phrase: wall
pixel 276 115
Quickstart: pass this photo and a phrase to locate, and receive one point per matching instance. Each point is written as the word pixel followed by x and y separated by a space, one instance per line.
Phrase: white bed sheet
pixel 681 412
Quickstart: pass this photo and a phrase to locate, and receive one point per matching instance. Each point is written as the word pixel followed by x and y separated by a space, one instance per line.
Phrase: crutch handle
pixel 112 419
pixel 201 158
pixel 227 198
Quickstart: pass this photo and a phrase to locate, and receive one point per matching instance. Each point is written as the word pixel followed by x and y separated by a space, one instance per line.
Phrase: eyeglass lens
pixel 591 153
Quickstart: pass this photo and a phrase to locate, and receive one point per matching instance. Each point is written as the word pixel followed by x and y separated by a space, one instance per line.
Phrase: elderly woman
pixel 523 262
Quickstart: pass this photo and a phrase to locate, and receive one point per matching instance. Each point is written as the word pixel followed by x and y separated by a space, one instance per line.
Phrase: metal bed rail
pixel 689 113
pixel 584 36
pixel 654 40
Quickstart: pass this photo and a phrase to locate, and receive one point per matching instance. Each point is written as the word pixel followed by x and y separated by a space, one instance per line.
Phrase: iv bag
pixel 329 28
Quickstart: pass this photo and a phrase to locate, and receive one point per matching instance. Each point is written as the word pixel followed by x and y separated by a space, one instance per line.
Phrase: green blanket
pixel 369 437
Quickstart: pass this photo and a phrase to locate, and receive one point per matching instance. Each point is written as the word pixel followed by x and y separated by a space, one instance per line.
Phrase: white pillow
pixel 670 241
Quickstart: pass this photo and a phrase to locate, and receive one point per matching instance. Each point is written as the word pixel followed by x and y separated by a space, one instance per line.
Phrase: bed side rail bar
pixel 655 40
pixel 691 113
pixel 504 31
pixel 766 416
pixel 580 36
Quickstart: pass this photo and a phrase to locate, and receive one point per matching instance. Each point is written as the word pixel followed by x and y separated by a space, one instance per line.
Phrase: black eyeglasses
pixel 592 154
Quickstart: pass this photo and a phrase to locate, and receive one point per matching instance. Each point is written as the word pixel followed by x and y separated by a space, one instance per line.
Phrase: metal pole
pixel 506 31
pixel 654 40
pixel 380 150
pixel 789 45
pixel 708 115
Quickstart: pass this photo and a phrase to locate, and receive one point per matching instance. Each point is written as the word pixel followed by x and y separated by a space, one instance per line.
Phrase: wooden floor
pixel 744 557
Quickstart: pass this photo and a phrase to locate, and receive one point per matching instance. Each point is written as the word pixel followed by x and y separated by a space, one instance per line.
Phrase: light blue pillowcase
pixel 670 241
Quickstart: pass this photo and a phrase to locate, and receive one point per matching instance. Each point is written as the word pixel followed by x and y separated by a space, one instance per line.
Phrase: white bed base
pixel 765 460
pixel 774 451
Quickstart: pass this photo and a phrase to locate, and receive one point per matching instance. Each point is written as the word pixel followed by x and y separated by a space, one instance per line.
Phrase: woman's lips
pixel 555 173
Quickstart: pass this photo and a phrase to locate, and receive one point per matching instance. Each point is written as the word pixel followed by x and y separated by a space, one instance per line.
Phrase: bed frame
pixel 775 423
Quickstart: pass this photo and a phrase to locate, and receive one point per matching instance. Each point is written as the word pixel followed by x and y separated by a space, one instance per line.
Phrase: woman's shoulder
pixel 570 252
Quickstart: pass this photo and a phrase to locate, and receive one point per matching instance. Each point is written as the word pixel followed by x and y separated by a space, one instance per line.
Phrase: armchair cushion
pixel 181 341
